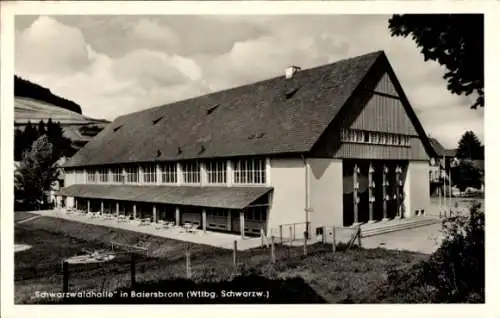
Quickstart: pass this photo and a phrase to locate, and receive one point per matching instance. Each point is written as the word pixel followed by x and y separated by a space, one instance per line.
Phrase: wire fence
pixel 123 260
pixel 134 264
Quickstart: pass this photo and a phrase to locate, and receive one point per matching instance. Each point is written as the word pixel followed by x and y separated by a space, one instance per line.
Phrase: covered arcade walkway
pixel 242 210
pixel 216 239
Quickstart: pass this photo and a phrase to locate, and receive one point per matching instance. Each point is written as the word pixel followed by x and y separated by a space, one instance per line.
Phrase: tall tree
pixel 30 135
pixel 466 175
pixel 19 144
pixel 455 41
pixel 50 127
pixel 41 128
pixel 36 174
pixel 469 147
pixel 62 144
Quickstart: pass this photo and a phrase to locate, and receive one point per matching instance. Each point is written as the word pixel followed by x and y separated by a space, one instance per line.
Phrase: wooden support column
pixel 102 206
pixel 242 224
pixel 141 175
pixel 203 174
pixel 229 173
pixel 88 205
pixel 384 192
pixel 117 212
pixel 154 214
pixel 158 173
pixel 134 211
pixel 177 216
pixel 355 193
pixel 75 203
pixel 204 219
pixel 179 174
pixel 371 197
pixel 268 172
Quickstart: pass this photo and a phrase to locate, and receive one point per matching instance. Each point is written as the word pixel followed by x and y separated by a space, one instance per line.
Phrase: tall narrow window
pixel 169 173
pixel 132 174
pixel 149 174
pixel 400 140
pixel 367 136
pixel 344 135
pixel 117 174
pixel 191 172
pixel 383 138
pixel 250 171
pixel 216 171
pixel 103 175
pixel 91 175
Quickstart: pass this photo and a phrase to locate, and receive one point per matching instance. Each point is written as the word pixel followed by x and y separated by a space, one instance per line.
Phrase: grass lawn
pixel 347 276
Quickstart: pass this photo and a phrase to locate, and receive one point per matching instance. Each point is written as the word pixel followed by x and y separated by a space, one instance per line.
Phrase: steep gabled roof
pixel 438 148
pixel 263 118
pixel 450 152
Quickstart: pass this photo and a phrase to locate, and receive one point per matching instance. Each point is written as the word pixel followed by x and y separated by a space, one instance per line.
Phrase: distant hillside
pixel 25 88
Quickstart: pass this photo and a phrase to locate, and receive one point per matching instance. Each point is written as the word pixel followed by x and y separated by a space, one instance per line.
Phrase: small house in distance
pixel 336 145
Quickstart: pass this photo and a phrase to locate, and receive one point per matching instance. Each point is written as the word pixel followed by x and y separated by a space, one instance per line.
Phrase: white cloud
pixel 105 87
pixel 116 65
pixel 49 46
pixel 152 30
pixel 269 55
pixel 188 67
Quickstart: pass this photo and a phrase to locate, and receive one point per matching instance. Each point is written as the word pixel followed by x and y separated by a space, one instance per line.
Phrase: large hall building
pixel 335 145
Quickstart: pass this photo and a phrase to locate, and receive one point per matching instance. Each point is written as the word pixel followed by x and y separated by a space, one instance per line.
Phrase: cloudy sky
pixel 113 65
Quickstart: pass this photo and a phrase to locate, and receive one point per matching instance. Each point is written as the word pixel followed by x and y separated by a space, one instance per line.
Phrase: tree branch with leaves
pixel 36 174
pixel 455 41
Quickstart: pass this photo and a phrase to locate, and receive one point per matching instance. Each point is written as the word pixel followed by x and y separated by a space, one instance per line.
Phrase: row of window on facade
pixel 373 137
pixel 249 171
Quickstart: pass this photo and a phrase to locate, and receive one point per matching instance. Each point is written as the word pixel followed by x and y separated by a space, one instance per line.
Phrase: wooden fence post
pixel 132 269
pixel 261 237
pixel 334 244
pixel 359 236
pixel 281 234
pixel 65 277
pixel 188 262
pixel 305 245
pixel 235 249
pixel 273 258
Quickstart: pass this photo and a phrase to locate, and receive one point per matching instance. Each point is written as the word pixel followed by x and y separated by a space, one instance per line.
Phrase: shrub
pixel 453 274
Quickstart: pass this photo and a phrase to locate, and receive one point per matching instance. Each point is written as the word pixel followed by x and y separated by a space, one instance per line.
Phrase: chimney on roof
pixel 291 70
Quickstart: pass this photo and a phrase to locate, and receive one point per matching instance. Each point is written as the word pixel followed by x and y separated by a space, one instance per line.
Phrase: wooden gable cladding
pixel 384 113
pixel 385 86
